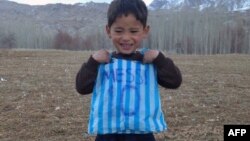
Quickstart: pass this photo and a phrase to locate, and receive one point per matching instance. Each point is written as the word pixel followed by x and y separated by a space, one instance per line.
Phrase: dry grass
pixel 38 100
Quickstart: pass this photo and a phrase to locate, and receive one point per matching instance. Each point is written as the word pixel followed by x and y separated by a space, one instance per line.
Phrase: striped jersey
pixel 126 99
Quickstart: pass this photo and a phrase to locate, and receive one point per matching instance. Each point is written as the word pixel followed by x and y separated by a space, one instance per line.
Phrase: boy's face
pixel 127 33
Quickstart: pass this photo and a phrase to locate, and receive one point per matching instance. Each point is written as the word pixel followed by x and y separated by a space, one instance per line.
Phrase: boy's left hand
pixel 150 55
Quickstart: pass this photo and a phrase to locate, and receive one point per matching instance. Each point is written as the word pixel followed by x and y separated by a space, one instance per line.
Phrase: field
pixel 38 100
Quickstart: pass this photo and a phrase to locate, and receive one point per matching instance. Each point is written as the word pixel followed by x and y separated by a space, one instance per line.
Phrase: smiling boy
pixel 126 101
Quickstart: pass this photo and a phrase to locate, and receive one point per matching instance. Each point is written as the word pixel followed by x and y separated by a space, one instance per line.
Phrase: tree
pixel 8 41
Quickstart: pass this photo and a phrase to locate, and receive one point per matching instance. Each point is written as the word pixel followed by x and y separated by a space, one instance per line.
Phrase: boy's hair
pixel 118 8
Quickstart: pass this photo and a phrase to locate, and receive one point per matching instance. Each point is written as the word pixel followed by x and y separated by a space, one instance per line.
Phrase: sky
pixel 42 2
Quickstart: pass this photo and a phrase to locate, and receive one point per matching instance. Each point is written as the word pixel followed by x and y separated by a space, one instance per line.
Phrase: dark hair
pixel 118 8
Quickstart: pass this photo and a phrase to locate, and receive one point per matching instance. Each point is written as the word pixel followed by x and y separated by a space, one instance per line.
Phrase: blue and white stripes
pixel 126 99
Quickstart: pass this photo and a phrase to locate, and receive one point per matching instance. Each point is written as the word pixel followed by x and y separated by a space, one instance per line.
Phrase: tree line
pixel 192 32
pixel 189 32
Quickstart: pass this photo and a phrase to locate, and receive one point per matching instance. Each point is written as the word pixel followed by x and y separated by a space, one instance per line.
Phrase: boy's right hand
pixel 101 56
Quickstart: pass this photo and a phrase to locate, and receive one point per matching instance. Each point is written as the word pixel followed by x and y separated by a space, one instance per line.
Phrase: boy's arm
pixel 85 78
pixel 168 75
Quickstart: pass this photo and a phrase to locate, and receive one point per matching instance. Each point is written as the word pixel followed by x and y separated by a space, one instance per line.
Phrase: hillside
pixel 82 27
pixel 225 5
pixel 71 18
pixel 38 99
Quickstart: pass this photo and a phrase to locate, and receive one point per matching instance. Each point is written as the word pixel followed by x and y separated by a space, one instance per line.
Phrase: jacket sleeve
pixel 168 75
pixel 86 77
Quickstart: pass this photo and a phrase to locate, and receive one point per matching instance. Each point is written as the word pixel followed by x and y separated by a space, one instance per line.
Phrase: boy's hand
pixel 101 56
pixel 150 55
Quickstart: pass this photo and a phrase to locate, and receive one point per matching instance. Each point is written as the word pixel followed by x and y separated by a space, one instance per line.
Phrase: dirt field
pixel 38 101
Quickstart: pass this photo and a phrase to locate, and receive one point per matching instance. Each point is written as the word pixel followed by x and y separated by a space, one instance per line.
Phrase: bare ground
pixel 38 100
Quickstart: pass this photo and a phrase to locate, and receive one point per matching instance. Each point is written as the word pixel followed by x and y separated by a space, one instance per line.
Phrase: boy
pixel 125 102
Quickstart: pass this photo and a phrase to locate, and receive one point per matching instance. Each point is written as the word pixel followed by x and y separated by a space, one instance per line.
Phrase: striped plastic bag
pixel 126 99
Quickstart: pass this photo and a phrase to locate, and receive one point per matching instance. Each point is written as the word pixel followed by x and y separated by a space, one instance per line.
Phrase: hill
pixel 225 5
pixel 82 27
